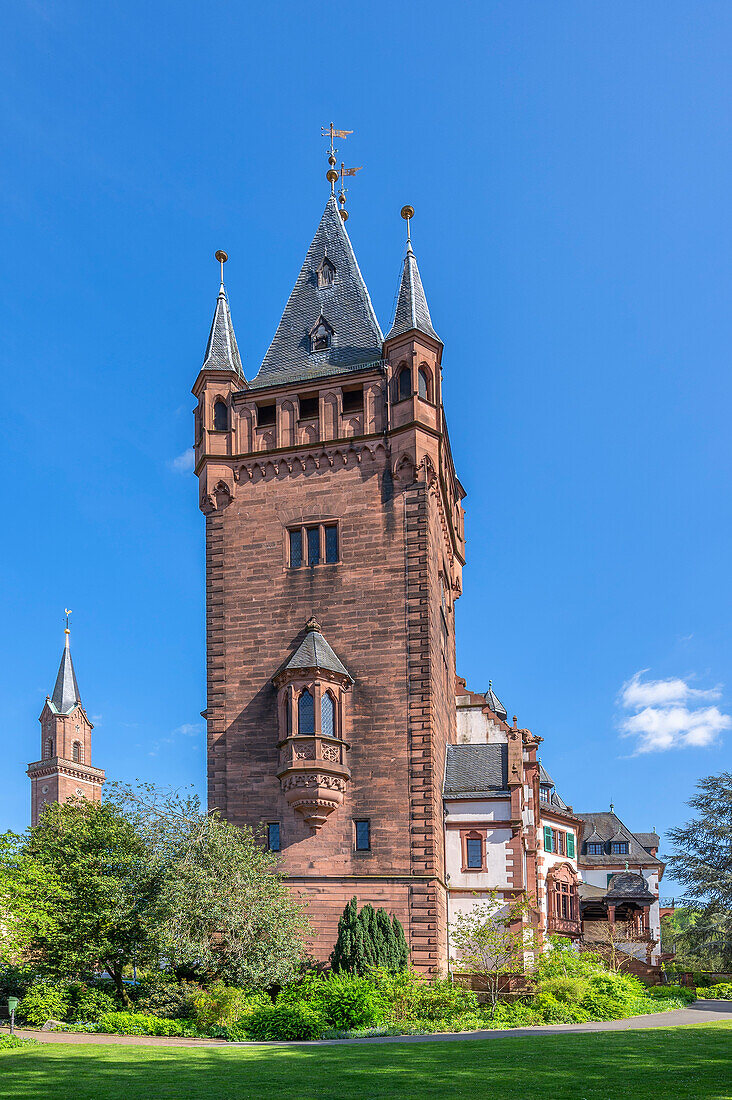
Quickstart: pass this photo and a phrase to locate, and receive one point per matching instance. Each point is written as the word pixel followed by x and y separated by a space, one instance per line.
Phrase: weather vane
pixel 67 612
pixel 332 175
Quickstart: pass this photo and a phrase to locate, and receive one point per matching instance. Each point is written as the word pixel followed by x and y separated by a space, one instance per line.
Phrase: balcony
pixel 563 926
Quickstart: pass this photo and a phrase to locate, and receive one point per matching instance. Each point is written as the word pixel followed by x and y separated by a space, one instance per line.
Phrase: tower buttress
pixel 64 769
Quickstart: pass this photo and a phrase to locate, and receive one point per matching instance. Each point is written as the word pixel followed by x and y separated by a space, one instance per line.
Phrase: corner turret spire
pixel 412 311
pixel 66 691
pixel 222 351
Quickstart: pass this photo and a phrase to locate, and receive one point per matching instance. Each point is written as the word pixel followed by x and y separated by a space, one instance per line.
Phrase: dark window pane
pixel 295 549
pixel 474 852
pixel 327 715
pixel 353 400
pixel 363 836
pixel 313 546
pixel 221 417
pixel 308 408
pixel 405 384
pixel 424 389
pixel 331 543
pixel 273 836
pixel 266 414
pixel 306 713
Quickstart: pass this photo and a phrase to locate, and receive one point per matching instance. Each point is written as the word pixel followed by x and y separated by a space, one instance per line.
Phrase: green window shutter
pixel 570 845
pixel 548 839
pixel 610 875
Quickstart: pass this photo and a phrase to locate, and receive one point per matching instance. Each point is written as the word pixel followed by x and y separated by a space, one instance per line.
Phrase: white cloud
pixel 184 463
pixel 665 716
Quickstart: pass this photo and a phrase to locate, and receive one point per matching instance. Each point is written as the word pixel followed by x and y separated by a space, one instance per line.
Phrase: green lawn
pixel 658 1064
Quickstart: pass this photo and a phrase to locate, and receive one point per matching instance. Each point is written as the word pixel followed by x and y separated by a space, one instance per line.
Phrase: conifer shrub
pixel 367 939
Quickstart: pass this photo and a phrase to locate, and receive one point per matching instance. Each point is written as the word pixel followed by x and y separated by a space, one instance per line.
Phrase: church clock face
pixel 44 790
pixel 79 792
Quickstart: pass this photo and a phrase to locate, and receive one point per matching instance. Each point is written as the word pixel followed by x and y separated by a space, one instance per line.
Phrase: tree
pixel 494 939
pixel 702 861
pixel 368 939
pixel 78 893
pixel 226 913
pixel 614 941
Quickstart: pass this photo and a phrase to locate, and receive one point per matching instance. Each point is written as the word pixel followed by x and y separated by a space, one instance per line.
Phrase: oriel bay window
pixel 313 544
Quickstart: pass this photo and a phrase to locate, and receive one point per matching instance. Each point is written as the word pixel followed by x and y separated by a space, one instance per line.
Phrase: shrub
pixel 44 1001
pixel 277 1022
pixel 139 1023
pixel 162 995
pixel 550 1010
pixel 88 1005
pixel 10 1042
pixel 671 992
pixel 564 988
pixel 406 996
pixel 610 996
pixel 369 938
pixel 720 992
pixel 224 1005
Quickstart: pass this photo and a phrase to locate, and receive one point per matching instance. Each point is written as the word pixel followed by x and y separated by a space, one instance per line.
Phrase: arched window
pixel 221 417
pixel 326 274
pixel 424 384
pixel 327 715
pixel 306 713
pixel 288 715
pixel 48 748
pixel 320 335
pixel 76 752
pixel 404 383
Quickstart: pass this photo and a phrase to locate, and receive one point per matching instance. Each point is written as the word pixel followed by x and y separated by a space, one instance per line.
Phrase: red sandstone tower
pixel 64 770
pixel 334 549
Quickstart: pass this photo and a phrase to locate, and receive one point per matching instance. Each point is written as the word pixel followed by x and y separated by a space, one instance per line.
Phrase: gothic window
pixel 320 335
pixel 404 383
pixel 288 716
pixel 363 836
pixel 306 713
pixel 424 384
pixel 327 715
pixel 76 752
pixel 594 848
pixel 48 748
pixel 221 416
pixel 326 274
pixel 273 836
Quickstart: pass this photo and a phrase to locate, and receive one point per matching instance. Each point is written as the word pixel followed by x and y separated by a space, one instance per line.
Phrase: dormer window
pixel 595 848
pixel 619 847
pixel 320 335
pixel 326 274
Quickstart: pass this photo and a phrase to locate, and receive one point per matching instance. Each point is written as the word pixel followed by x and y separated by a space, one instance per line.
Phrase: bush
pixel 277 1022
pixel 162 995
pixel 367 939
pixel 225 1005
pixel 406 996
pixel 550 1010
pixel 720 992
pixel 139 1023
pixel 612 996
pixel 44 1001
pixel 88 1004
pixel 564 988
pixel 10 1042
pixel 671 992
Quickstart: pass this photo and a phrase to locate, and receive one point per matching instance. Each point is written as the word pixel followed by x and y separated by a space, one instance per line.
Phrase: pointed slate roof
pixel 495 703
pixel 412 311
pixel 314 652
pixel 345 304
pixel 66 691
pixel 222 350
pixel 606 826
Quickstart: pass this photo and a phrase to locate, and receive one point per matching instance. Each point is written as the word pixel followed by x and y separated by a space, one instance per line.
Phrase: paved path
pixel 702 1012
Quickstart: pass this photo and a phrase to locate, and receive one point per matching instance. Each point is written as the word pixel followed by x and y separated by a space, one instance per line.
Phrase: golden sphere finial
pixel 407 212
pixel 331 175
pixel 221 256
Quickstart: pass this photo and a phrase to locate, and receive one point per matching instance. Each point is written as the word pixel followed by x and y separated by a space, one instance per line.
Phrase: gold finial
pixel 330 132
pixel 344 190
pixel 407 213
pixel 222 257
pixel 67 612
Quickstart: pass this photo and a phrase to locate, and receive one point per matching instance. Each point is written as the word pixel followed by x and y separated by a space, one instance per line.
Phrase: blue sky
pixel 571 171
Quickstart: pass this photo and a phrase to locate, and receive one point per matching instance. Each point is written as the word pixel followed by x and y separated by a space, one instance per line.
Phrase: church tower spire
pixel 64 770
pixel 412 312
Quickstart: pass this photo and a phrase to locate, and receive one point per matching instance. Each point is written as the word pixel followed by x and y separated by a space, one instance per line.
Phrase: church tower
pixel 334 549
pixel 64 770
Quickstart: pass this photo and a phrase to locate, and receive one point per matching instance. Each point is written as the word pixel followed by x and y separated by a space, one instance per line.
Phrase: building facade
pixel 65 768
pixel 334 550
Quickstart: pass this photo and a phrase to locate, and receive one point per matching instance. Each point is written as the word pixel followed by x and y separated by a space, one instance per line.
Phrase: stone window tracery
pixel 327 715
